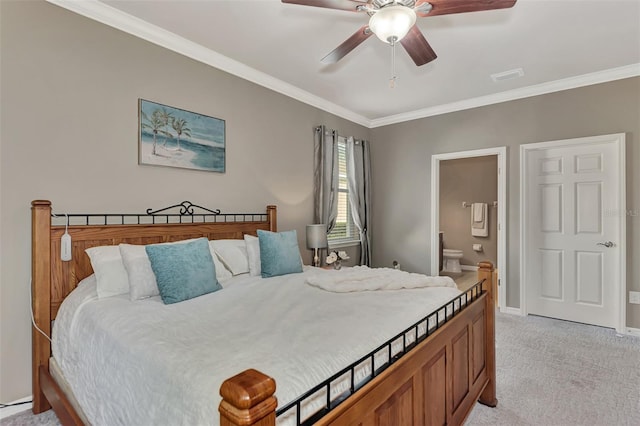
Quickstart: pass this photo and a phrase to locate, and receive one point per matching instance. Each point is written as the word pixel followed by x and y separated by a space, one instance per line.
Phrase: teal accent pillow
pixel 279 253
pixel 183 271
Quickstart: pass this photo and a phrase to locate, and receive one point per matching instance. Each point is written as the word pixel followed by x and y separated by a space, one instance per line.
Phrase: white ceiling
pixel 559 44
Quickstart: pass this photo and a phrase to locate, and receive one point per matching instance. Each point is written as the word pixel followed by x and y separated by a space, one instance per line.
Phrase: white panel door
pixel 572 235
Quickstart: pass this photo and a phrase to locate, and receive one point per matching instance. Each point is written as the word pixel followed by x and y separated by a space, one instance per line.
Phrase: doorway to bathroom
pixel 468 211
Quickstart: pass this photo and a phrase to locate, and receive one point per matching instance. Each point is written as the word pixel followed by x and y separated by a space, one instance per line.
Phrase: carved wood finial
pixel 485 264
pixel 248 400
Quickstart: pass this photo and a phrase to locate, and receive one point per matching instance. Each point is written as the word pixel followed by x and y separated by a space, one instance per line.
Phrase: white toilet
pixel 451 260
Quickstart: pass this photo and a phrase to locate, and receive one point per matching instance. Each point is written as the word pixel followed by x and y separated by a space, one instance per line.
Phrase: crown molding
pixel 612 74
pixel 115 18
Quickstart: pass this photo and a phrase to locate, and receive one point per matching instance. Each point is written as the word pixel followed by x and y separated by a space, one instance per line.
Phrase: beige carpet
pixel 550 373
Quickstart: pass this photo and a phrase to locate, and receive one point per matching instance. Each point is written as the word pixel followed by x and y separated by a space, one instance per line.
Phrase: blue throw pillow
pixel 183 271
pixel 279 253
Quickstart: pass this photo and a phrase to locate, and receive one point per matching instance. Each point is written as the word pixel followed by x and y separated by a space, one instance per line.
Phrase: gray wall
pixel 70 89
pixel 470 180
pixel 401 161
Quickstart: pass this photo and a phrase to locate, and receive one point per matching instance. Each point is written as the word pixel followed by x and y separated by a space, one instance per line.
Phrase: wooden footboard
pixel 437 382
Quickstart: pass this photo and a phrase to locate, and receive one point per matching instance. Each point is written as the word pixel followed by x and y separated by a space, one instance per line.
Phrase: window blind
pixel 344 230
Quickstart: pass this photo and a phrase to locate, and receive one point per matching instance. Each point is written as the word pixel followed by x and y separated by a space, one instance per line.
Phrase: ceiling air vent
pixel 507 75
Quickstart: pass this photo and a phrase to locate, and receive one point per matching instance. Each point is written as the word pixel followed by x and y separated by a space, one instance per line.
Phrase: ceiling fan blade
pixel 446 7
pixel 347 5
pixel 417 47
pixel 349 44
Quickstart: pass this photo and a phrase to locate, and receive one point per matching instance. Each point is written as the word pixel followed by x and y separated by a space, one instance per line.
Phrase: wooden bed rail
pixel 247 398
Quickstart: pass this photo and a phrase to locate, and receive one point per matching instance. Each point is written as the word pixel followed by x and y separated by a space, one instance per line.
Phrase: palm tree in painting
pixel 180 126
pixel 166 118
pixel 155 124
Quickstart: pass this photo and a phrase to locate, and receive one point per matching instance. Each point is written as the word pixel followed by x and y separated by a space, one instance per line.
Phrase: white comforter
pixel 146 363
pixel 363 278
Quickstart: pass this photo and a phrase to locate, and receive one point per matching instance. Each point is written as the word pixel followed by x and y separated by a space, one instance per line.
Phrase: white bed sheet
pixel 146 363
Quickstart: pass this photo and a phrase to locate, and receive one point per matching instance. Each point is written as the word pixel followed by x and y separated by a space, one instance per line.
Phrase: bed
pixel 434 377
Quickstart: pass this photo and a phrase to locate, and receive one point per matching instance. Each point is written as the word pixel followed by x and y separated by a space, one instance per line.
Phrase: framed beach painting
pixel 173 137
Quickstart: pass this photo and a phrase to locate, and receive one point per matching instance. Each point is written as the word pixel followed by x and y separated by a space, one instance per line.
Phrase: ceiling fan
pixel 393 21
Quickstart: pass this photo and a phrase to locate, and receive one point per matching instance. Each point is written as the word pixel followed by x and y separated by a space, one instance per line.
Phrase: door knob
pixel 607 244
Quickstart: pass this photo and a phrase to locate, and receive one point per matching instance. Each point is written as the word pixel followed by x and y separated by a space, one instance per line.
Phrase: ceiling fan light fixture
pixel 391 23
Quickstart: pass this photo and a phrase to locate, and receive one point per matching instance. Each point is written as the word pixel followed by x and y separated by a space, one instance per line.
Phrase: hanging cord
pixel 392 80
pixel 33 320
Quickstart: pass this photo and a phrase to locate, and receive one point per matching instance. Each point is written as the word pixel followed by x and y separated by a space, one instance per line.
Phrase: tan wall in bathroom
pixel 472 180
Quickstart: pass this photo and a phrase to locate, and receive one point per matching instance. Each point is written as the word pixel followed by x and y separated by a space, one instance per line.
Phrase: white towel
pixel 478 212
pixel 479 222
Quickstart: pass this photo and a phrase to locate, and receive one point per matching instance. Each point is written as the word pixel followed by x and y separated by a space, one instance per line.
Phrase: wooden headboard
pixel 53 279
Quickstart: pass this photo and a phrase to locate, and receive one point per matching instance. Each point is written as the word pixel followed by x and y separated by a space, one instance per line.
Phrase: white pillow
pixel 111 276
pixel 222 273
pixel 142 280
pixel 233 253
pixel 253 253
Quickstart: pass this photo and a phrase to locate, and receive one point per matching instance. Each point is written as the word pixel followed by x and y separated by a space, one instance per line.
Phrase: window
pixel 344 232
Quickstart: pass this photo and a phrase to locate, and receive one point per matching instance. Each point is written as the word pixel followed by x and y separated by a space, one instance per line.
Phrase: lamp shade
pixel 391 23
pixel 317 236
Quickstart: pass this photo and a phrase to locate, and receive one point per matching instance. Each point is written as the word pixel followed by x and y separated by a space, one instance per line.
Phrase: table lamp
pixel 316 239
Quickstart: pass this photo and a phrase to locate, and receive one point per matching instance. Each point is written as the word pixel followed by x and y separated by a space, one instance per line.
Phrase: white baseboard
pixel 11 410
pixel 633 331
pixel 511 311
pixel 468 267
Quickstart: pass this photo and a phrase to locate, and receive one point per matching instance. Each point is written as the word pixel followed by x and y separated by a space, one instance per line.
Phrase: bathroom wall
pixel 472 180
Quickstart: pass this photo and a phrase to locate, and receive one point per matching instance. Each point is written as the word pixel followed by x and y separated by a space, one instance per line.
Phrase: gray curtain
pixel 359 181
pixel 325 176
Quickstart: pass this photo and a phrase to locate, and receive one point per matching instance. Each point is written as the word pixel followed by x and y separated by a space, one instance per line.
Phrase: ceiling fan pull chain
pixel 392 80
